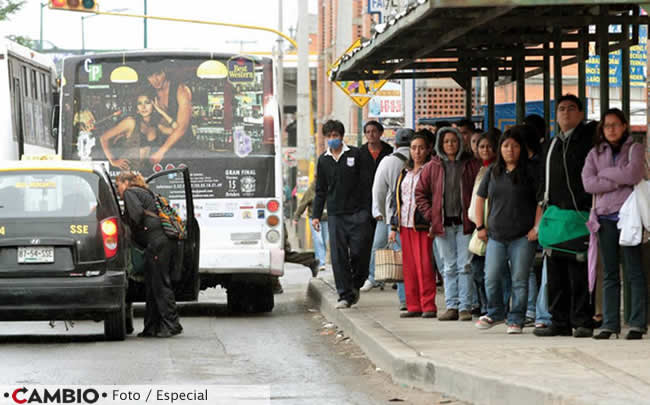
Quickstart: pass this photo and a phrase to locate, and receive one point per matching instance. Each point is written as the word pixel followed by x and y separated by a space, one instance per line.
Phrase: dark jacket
pixel 144 228
pixel 420 222
pixel 577 148
pixel 340 184
pixel 369 166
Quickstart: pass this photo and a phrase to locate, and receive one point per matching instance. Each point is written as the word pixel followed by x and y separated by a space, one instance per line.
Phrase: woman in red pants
pixel 419 276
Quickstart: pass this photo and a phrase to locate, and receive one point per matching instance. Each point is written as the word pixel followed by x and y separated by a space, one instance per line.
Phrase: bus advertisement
pixel 216 114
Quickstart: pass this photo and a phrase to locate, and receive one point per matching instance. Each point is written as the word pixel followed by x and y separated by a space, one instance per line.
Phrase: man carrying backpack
pixel 383 189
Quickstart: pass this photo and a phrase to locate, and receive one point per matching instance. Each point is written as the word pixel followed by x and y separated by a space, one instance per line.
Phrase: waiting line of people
pixel 420 198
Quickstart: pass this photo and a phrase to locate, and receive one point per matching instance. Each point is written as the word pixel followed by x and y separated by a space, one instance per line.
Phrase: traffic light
pixel 88 6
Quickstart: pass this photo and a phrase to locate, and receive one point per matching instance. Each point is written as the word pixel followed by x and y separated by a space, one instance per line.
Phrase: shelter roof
pixel 442 38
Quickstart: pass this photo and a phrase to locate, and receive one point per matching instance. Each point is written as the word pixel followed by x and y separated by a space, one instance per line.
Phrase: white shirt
pixel 328 152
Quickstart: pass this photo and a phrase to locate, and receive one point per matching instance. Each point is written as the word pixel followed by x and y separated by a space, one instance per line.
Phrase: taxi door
pixel 174 185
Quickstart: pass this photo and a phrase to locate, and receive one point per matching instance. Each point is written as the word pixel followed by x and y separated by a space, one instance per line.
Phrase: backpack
pixel 171 222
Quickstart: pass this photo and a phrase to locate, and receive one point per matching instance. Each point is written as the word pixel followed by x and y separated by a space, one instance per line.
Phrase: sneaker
pixel 367 286
pixel 465 316
pixel 513 330
pixel 529 321
pixel 582 332
pixel 342 304
pixel 449 315
pixel 429 314
pixel 314 268
pixel 476 311
pixel 485 322
pixel 402 306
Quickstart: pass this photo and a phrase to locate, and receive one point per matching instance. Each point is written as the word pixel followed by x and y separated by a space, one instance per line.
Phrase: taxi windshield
pixel 60 194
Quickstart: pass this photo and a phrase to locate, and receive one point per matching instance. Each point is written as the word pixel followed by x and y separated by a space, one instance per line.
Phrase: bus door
pixel 17 112
pixel 175 185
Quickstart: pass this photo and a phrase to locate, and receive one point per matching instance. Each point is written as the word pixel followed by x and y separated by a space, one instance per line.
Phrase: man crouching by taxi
pixel 161 317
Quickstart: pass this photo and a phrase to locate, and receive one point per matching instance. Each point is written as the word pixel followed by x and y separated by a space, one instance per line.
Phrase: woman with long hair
pixel 613 166
pixel 485 146
pixel 142 131
pixel 511 186
pixel 161 317
pixel 417 252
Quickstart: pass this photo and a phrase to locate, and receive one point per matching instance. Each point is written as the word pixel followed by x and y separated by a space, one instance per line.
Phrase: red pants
pixel 419 276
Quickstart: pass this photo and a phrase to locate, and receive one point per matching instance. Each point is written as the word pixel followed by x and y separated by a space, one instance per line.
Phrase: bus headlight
pixel 273 236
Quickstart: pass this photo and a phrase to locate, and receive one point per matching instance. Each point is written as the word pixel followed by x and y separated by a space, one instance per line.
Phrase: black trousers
pixel 160 312
pixel 569 300
pixel 350 245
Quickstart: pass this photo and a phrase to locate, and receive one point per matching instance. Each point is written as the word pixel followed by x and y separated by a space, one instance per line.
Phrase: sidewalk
pixel 488 367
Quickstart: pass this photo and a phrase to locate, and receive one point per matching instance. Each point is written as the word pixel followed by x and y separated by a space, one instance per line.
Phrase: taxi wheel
pixel 115 324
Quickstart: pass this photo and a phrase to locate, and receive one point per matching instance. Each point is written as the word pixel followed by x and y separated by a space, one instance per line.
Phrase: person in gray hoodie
pixel 382 190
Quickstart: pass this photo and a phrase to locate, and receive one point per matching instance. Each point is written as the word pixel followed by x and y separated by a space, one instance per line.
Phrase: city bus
pixel 27 97
pixel 216 114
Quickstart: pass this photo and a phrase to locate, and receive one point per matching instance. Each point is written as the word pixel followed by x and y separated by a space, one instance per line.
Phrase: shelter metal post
pixel 546 85
pixel 557 63
pixel 468 94
pixel 520 105
pixel 490 95
pixel 603 45
pixel 583 51
pixel 625 75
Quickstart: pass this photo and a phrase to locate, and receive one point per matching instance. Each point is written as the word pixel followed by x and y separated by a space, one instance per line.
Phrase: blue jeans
pixel 532 294
pixel 542 316
pixel 401 292
pixel 520 252
pixel 319 239
pixel 457 274
pixel 379 241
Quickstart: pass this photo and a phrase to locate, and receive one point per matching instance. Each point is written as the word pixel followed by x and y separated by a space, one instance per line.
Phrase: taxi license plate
pixel 41 254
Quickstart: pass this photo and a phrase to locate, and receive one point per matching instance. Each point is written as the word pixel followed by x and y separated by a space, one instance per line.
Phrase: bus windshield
pixel 151 112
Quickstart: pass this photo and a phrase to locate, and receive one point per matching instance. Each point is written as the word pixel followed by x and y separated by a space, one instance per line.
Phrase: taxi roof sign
pixel 40 157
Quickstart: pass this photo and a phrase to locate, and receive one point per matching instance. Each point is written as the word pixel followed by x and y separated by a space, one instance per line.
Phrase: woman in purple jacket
pixel 614 165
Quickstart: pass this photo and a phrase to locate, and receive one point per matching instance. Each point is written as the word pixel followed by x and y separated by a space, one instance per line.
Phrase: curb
pixel 408 367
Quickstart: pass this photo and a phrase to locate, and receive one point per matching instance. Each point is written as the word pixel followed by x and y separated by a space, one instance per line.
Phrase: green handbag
pixel 564 230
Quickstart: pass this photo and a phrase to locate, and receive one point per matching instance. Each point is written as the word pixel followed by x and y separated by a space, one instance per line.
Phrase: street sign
pixel 360 91
pixel 289 156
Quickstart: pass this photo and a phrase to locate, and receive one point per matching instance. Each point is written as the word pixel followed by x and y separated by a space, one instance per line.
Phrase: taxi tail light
pixel 273 206
pixel 109 236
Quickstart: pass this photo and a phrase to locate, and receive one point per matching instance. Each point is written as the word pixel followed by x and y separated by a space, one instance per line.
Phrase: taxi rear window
pixel 60 194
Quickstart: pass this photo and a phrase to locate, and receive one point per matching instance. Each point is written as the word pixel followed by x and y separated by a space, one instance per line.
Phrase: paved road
pixel 294 350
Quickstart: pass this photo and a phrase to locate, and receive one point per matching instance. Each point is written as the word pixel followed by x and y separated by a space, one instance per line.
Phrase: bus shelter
pixel 501 40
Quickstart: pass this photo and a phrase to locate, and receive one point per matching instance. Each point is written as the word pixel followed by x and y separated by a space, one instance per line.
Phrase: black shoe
pixel 605 334
pixel 431 314
pixel 394 286
pixel 476 312
pixel 164 334
pixel 147 333
pixel 552 331
pixel 314 267
pixel 582 332
pixel 410 314
pixel 634 335
pixel 277 287
pixel 357 295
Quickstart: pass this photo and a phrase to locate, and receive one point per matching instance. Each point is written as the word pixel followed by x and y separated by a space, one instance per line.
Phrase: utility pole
pixel 279 92
pixel 145 24
pixel 303 90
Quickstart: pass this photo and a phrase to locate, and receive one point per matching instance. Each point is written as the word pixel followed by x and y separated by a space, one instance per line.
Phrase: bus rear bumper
pixel 255 261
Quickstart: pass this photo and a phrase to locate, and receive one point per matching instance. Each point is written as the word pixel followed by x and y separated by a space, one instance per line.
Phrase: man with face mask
pixel 341 184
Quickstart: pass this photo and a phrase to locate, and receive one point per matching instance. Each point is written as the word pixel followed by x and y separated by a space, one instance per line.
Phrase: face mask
pixel 334 143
